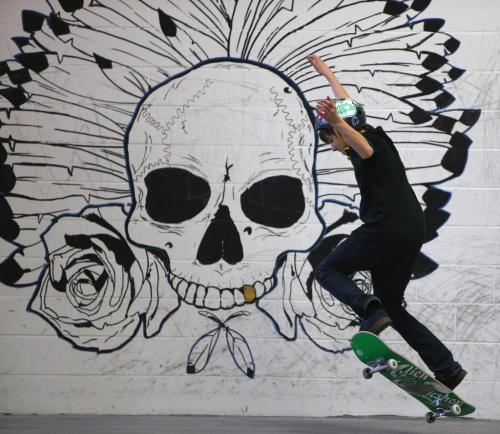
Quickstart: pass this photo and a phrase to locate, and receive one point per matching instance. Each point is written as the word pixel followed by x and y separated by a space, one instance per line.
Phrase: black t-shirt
pixel 387 200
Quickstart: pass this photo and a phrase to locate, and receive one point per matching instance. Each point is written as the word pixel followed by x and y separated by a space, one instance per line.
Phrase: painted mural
pixel 158 153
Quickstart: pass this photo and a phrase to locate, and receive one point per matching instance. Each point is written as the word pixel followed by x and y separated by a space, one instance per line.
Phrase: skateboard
pixel 439 399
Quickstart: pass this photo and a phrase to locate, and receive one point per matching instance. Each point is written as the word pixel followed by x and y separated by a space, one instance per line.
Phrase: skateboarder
pixel 390 238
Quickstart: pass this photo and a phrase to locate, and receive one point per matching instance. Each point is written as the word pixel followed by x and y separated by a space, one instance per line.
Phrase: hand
pixel 327 109
pixel 319 64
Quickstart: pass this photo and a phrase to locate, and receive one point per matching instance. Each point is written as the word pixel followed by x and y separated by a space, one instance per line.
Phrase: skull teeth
pixel 201 293
pixel 181 288
pixel 260 289
pixel 239 298
pixel 227 299
pixel 191 293
pixel 214 298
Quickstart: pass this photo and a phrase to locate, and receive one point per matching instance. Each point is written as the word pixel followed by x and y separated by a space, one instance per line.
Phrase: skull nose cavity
pixel 221 240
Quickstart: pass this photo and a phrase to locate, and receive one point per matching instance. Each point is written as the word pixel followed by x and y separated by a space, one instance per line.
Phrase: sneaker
pixel 376 323
pixel 453 380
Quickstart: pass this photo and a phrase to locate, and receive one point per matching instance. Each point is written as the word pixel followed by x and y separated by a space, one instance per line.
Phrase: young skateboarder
pixel 391 236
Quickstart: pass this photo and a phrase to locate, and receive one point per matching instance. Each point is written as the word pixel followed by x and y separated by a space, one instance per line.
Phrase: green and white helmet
pixel 352 111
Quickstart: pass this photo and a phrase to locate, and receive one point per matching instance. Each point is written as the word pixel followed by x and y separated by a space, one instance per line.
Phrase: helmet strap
pixel 347 148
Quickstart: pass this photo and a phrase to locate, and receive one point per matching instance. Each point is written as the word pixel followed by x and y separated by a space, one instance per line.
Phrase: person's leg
pixel 389 283
pixel 332 273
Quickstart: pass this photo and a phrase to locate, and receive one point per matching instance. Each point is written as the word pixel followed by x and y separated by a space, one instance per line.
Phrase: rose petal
pixel 164 300
pixel 58 263
pixel 143 297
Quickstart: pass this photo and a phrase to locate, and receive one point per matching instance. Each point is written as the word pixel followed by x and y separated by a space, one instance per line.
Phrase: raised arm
pixel 322 68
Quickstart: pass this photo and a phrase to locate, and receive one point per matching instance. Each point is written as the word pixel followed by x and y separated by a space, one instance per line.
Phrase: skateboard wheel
pixel 367 373
pixel 429 417
pixel 456 409
pixel 392 364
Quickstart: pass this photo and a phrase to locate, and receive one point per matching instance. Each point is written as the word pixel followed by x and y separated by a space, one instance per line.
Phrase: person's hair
pixel 324 133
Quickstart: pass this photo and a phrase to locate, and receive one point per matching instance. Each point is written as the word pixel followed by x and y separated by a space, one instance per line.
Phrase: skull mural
pixel 217 162
pixel 221 161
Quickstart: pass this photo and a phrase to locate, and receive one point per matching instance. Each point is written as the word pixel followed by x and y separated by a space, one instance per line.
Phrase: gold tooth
pixel 249 293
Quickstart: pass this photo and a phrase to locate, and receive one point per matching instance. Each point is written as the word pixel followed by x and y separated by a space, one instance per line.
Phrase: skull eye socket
pixel 277 201
pixel 175 195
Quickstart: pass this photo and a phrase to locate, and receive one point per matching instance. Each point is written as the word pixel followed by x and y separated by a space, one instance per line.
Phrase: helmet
pixel 323 124
pixel 352 111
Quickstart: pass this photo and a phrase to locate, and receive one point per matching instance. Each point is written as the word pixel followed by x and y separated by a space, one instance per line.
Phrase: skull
pixel 221 159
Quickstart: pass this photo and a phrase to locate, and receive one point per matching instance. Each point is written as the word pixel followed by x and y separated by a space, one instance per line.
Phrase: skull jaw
pixel 220 285
pixel 214 298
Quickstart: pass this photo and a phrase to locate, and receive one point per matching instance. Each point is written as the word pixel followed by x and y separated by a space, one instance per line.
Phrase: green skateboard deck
pixel 438 398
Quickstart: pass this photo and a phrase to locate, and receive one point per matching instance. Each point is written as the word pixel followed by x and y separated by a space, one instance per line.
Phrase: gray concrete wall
pixel 128 352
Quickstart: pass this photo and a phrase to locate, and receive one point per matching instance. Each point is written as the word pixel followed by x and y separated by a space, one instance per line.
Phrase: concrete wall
pixel 94 315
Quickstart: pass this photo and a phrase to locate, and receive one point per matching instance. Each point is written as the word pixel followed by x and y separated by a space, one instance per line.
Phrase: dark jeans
pixel 390 262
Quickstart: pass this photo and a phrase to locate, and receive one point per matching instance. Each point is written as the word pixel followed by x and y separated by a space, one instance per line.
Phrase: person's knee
pixel 327 275
pixel 324 272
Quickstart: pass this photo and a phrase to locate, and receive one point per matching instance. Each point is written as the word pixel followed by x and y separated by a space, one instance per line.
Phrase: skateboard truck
pixel 380 366
pixel 454 410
